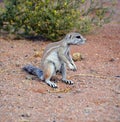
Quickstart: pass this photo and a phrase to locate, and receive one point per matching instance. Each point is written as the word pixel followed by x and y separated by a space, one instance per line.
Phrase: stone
pixel 17 64
pixel 29 77
pixel 37 54
pixel 77 56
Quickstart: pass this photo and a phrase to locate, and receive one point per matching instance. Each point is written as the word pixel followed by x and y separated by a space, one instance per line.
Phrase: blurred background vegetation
pixel 52 19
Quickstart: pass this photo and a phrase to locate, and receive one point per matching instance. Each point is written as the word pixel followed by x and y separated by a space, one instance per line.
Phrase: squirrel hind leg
pixel 48 73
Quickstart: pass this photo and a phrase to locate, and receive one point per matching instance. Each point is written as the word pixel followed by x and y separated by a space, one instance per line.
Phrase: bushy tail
pixel 34 71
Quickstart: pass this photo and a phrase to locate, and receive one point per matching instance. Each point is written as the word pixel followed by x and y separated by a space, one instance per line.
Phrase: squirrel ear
pixel 69 36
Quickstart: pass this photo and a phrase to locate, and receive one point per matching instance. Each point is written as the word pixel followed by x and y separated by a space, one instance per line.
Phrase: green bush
pixel 50 18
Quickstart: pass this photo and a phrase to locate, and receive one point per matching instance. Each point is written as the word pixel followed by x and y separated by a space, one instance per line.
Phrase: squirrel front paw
pixel 72 67
pixel 75 68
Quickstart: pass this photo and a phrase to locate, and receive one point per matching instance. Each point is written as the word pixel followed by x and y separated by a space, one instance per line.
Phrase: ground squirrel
pixel 55 58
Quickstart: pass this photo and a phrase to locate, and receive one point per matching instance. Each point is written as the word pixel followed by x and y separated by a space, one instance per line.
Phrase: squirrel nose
pixel 84 39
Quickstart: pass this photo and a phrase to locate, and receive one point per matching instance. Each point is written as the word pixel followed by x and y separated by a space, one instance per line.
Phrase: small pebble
pixel 17 64
pixel 87 110
pixel 59 97
pixel 14 71
pixel 28 77
pixel 25 115
pixel 26 55
pixel 1 64
pixel 112 60
pixel 117 106
pixel 77 91
pixel 24 120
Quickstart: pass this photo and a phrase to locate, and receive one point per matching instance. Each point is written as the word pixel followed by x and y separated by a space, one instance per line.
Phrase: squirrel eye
pixel 78 37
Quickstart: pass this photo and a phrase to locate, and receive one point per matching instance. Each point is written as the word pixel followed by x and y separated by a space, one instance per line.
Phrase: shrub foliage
pixel 50 18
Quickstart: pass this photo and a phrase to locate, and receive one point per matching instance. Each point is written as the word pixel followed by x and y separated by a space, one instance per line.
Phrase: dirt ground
pixel 94 97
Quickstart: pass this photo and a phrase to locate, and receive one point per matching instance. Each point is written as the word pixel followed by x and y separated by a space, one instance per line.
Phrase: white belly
pixel 53 57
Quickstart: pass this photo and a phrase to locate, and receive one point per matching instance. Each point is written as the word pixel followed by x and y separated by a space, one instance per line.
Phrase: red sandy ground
pixel 95 96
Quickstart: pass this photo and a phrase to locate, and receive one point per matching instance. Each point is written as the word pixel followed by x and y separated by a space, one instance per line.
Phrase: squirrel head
pixel 74 39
